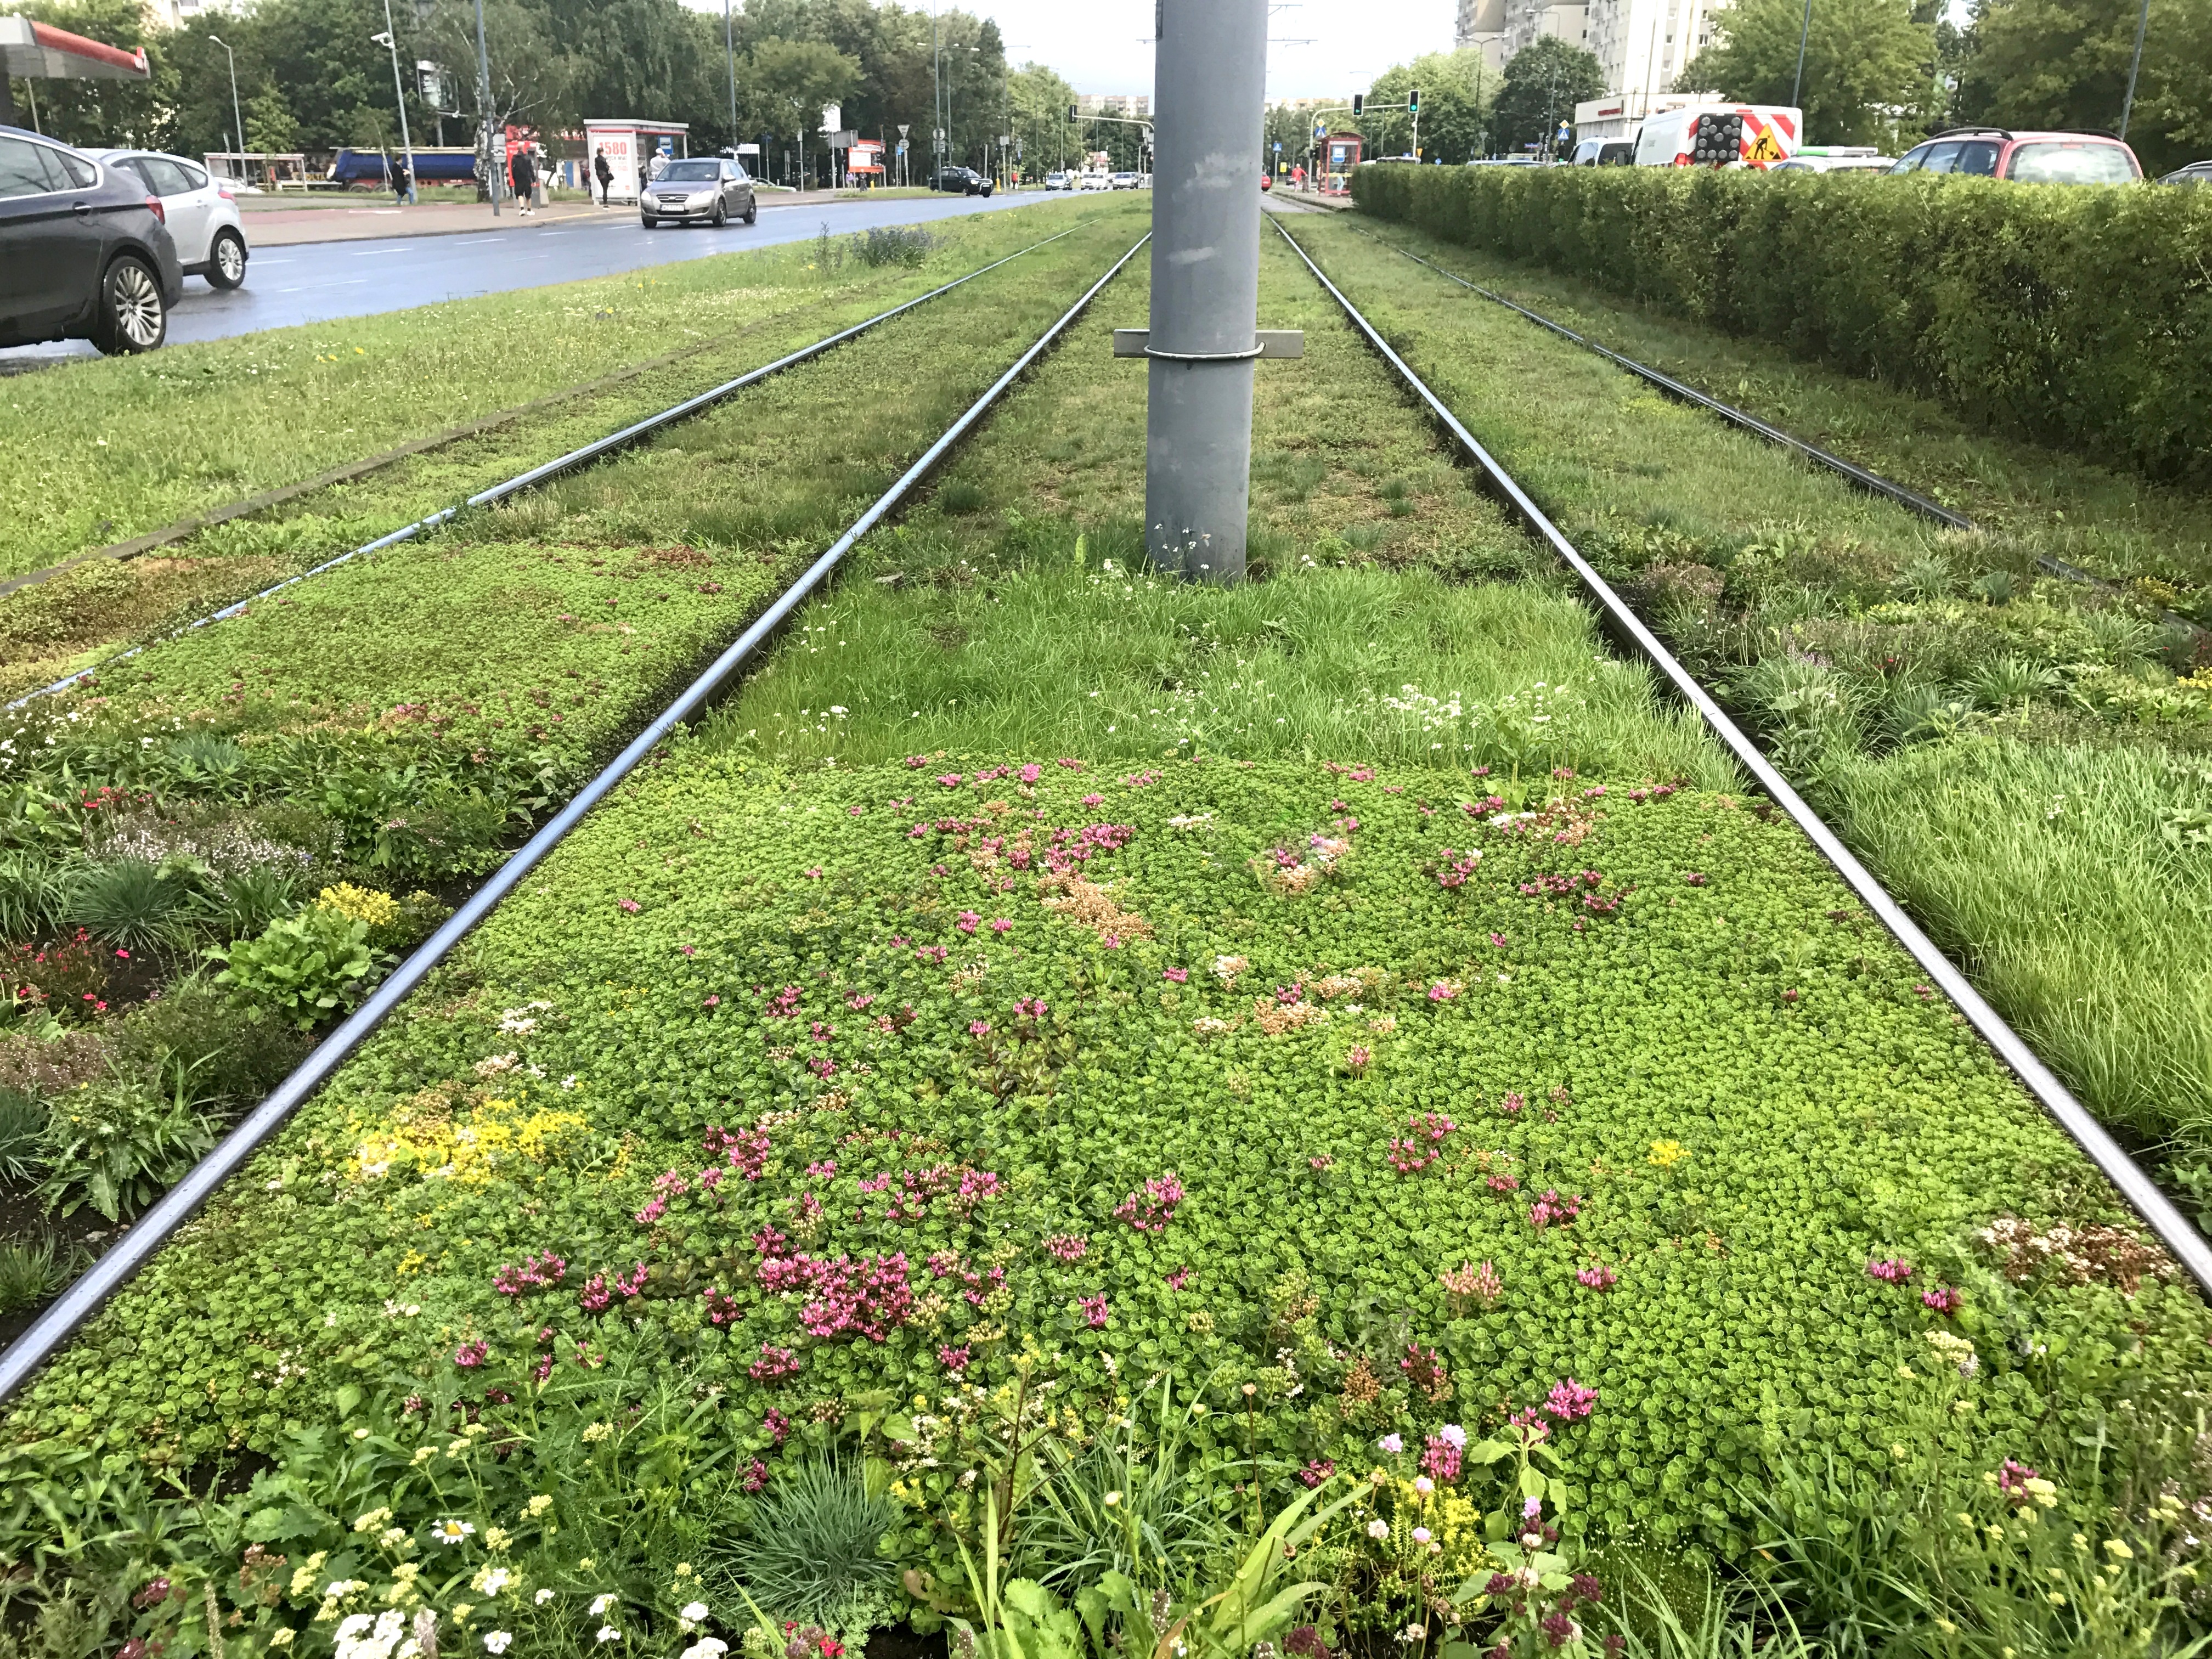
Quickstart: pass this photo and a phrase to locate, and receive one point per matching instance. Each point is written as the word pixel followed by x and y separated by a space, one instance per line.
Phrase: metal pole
pixel 729 48
pixel 2134 64
pixel 936 104
pixel 1209 80
pixel 237 119
pixel 1798 86
pixel 484 111
pixel 399 92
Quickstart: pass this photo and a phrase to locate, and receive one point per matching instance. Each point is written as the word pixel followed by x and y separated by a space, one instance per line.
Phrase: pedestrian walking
pixel 604 171
pixel 524 173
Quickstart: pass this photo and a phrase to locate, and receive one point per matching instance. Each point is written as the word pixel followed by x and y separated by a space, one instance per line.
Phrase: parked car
pixel 202 212
pixel 705 189
pixel 2027 158
pixel 1123 181
pixel 1605 153
pixel 1057 181
pixel 1836 158
pixel 84 254
pixel 2196 173
pixel 965 181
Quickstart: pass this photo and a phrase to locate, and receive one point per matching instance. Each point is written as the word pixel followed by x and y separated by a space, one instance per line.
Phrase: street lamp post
pixel 237 119
pixel 2134 64
pixel 483 112
pixel 730 50
pixel 1798 86
pixel 399 95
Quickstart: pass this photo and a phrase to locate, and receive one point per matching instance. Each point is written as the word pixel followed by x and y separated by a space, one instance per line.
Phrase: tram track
pixel 136 1246
pixel 2187 1245
pixel 1862 478
pixel 574 460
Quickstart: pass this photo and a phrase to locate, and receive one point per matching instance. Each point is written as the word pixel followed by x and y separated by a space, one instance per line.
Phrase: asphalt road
pixel 316 282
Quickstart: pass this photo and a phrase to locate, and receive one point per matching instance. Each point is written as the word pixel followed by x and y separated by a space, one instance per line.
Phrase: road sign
pixel 903 132
pixel 902 148
pixel 1279 147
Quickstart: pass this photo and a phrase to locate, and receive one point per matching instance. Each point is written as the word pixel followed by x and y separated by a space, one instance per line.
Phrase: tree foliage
pixel 1458 90
pixel 1869 67
pixel 1540 88
pixel 2064 64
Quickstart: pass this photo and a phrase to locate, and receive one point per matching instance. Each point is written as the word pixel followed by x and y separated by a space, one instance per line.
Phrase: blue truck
pixel 365 166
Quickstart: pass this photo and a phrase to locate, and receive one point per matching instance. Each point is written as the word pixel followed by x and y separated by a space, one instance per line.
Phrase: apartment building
pixel 1642 46
pixel 1130 105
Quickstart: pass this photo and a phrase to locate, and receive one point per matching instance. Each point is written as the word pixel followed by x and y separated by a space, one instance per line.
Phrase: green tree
pixel 1540 88
pixel 268 124
pixel 1869 67
pixel 788 82
pixel 1459 91
pixel 1040 100
pixel 2063 64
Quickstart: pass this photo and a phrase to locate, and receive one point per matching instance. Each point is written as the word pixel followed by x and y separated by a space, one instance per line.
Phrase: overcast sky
pixel 1100 45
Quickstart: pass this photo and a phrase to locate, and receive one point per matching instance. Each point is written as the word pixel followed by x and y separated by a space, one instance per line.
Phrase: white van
pixel 1720 135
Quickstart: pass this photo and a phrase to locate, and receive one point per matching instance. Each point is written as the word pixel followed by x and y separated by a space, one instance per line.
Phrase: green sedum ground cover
pixel 1866 646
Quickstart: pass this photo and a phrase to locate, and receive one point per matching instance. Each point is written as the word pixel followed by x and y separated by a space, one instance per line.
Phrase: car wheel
pixel 721 213
pixel 752 210
pixel 227 259
pixel 651 224
pixel 132 315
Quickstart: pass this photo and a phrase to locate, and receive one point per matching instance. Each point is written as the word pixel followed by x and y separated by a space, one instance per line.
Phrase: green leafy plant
pixel 23 1134
pixel 812 1545
pixel 32 893
pixel 132 904
pixel 119 1144
pixel 28 1273
pixel 302 969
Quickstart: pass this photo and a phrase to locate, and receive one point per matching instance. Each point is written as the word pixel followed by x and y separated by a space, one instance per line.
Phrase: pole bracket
pixel 1269 342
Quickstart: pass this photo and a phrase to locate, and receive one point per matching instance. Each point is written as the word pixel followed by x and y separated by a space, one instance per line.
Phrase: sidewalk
pixel 272 222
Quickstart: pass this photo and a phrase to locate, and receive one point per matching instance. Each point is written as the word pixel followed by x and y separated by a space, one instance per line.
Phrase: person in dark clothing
pixel 605 173
pixel 524 171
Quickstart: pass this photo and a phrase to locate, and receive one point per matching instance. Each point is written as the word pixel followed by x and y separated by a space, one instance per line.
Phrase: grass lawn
pixel 111 449
pixel 1152 1012
pixel 1888 661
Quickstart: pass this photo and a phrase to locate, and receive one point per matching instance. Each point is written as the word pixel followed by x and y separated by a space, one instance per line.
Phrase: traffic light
pixel 1358 103
pixel 1414 101
pixel 1072 113
pixel 1717 141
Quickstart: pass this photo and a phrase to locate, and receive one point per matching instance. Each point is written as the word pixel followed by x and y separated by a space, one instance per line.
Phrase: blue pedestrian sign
pixel 1279 147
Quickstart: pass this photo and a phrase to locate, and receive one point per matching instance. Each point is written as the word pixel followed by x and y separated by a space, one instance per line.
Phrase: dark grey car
pixel 84 252
pixel 704 189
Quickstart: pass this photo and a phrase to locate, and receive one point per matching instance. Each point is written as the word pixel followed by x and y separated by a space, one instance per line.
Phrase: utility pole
pixel 234 115
pixel 1804 33
pixel 492 167
pixel 730 50
pixel 2134 64
pixel 399 93
pixel 936 104
pixel 1209 81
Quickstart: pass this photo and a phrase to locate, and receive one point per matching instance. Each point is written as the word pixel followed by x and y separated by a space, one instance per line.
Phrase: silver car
pixel 703 189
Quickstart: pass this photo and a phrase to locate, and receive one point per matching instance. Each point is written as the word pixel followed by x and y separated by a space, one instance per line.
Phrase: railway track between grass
pixel 137 1244
pixel 2188 1246
pixel 573 461
pixel 1865 478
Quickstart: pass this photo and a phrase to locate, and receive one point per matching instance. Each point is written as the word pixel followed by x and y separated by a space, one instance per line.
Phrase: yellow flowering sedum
pixel 379 910
pixel 1666 1154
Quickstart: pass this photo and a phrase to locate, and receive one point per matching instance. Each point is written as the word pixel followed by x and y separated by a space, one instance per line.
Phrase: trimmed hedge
pixel 2069 316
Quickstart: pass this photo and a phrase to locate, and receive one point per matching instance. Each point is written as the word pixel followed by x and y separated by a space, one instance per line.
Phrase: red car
pixel 2027 158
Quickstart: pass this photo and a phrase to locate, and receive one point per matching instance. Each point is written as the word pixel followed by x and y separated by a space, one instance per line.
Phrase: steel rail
pixel 570 462
pixel 84 1298
pixel 2188 1246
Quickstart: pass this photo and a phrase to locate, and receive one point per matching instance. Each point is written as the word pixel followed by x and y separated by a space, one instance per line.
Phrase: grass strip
pixel 1846 632
pixel 146 441
pixel 2062 502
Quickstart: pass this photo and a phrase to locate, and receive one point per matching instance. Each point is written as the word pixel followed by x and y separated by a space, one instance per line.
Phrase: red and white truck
pixel 1720 135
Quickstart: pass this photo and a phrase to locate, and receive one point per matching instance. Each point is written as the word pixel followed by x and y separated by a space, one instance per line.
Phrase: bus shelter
pixel 1340 153
pixel 38 51
pixel 631 146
